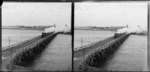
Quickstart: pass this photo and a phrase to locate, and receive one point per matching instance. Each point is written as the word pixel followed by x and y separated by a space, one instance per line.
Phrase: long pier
pixel 91 57
pixel 25 53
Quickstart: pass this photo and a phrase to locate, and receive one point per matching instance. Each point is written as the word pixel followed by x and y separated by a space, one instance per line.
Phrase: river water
pixel 17 36
pixel 131 56
pixel 89 36
pixel 57 56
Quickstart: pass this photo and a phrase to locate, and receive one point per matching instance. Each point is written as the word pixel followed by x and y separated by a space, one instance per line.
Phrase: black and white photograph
pixel 36 36
pixel 75 35
pixel 110 36
pixel 108 0
pixel 39 0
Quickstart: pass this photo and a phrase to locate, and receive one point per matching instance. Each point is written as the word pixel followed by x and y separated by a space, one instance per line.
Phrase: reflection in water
pixel 131 56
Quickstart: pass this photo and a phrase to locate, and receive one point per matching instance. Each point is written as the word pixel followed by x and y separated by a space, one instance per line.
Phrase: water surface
pixel 57 56
pixel 131 56
pixel 89 36
pixel 17 36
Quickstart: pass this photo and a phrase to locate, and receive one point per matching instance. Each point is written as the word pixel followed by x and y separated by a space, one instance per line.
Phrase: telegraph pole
pixel 81 42
pixel 9 40
pixel 82 46
pixel 11 48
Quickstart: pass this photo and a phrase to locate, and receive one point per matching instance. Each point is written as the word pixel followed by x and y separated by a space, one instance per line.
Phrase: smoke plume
pixel 57 29
pixel 136 30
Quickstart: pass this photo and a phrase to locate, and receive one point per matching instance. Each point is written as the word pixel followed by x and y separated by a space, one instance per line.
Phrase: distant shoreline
pixel 94 28
pixel 22 29
pixel 26 27
pixel 97 30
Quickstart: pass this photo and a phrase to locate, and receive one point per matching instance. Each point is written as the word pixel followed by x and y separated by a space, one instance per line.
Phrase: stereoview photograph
pixel 36 36
pixel 110 36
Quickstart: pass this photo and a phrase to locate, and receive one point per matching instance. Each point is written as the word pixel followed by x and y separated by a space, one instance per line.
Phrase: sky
pixel 111 14
pixel 34 14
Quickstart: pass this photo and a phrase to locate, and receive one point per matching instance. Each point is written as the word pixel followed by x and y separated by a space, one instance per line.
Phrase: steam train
pixel 68 33
pixel 118 35
pixel 45 34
